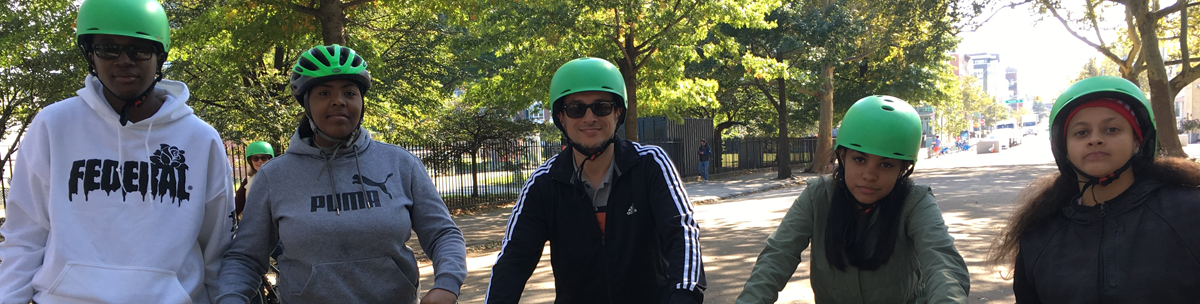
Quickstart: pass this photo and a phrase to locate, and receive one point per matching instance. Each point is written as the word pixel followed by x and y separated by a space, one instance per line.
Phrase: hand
pixel 439 296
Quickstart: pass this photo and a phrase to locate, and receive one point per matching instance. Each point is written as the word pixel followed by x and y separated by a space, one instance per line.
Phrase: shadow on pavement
pixel 975 215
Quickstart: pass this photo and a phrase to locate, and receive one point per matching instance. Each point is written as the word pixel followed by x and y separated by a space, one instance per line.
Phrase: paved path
pixel 483 232
pixel 975 193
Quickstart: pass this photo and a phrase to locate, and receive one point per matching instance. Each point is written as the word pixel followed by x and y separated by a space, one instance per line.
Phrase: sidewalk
pixel 485 231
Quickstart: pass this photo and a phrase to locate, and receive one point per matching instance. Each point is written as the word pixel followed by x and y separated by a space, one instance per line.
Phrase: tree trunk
pixel 1161 100
pixel 631 126
pixel 825 124
pixel 718 145
pixel 332 17
pixel 474 174
pixel 629 69
pixel 782 149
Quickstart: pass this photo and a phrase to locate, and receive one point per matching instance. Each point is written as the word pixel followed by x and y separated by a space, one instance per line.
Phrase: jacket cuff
pixel 232 298
pixel 447 282
pixel 684 296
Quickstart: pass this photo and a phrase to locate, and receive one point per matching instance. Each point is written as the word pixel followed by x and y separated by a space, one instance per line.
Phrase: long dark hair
pixel 1047 195
pixel 843 239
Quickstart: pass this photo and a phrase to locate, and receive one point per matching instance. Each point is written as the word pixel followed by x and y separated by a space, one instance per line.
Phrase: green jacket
pixel 925 268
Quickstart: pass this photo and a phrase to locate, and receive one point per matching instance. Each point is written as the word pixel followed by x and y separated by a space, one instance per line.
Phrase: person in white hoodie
pixel 120 194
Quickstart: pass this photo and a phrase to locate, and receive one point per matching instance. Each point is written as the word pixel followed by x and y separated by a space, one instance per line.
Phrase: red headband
pixel 1116 105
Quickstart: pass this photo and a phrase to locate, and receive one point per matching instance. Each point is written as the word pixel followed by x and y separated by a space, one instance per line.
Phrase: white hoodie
pixel 104 213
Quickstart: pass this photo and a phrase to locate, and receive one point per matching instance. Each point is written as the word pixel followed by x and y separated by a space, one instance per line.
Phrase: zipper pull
pixel 1101 210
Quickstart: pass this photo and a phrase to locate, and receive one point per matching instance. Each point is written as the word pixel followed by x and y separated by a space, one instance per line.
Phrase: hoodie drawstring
pixel 146 141
pixel 328 168
pixel 360 178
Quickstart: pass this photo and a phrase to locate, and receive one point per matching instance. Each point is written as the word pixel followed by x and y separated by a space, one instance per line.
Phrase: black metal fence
pixel 750 153
pixel 492 174
pixel 489 176
pixel 680 141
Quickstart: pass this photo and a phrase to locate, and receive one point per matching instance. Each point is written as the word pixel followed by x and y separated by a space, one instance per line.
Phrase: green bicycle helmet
pixel 583 75
pixel 324 63
pixel 259 147
pixel 143 19
pixel 587 74
pixel 882 125
pixel 1094 88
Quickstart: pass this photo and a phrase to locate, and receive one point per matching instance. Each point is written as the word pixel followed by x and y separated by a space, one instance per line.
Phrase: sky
pixel 1045 54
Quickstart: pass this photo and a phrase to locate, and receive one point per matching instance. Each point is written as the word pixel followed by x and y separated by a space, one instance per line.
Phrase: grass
pixel 732 159
pixel 480 209
pixel 500 179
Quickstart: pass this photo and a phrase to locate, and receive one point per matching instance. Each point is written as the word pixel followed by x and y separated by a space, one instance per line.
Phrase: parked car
pixel 1029 124
pixel 1007 133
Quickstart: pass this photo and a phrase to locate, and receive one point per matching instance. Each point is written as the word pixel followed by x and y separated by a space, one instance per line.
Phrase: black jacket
pixel 1141 247
pixel 650 253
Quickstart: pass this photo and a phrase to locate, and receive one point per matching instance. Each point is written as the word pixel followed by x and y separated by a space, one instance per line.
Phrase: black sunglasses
pixel 260 158
pixel 113 51
pixel 577 110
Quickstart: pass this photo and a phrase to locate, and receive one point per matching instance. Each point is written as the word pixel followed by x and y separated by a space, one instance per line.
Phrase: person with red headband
pixel 1115 224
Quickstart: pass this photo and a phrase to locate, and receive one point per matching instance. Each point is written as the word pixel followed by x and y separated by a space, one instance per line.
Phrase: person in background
pixel 704 152
pixel 257 154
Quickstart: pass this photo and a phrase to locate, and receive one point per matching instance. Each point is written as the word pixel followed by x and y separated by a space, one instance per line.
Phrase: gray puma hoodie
pixel 343 219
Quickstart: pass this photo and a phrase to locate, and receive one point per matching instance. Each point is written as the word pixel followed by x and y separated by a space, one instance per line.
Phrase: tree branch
pixel 667 28
pixel 1183 29
pixel 1180 5
pixel 645 58
pixel 353 3
pixel 1013 6
pixel 1183 79
pixel 1136 40
pixel 1067 26
pixel 304 9
pixel 766 92
pixel 1091 9
pixel 1180 61
pixel 857 57
pixel 808 92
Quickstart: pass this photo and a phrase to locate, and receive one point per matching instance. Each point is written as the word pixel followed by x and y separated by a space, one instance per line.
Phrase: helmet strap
pixel 1103 180
pixel 336 142
pixel 317 131
pixel 592 153
pixel 128 102
pixel 131 102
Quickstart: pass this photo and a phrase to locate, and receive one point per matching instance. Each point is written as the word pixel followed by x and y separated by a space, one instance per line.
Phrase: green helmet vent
pixel 324 63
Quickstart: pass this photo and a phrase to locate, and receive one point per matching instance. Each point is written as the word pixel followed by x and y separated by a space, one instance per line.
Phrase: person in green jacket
pixel 876 236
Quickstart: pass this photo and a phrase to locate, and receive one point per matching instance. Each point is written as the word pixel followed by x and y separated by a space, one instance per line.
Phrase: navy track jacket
pixel 650 253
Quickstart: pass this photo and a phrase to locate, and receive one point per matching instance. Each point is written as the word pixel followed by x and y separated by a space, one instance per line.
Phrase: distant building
pixel 986 67
pixel 960 64
pixel 1187 103
pixel 1010 74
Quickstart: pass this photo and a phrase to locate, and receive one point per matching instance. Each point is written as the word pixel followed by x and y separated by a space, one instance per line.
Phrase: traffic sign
pixel 1014 101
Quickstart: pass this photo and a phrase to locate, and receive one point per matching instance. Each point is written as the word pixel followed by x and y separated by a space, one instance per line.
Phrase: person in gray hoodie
pixel 342 204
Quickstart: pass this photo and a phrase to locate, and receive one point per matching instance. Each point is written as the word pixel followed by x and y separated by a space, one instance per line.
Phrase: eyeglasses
pixel 259 158
pixel 113 51
pixel 577 110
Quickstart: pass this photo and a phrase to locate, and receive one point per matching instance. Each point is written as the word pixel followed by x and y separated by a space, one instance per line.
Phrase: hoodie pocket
pixel 80 282
pixel 376 280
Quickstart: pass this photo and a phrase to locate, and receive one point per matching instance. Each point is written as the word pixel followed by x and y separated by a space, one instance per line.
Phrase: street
pixel 974 191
